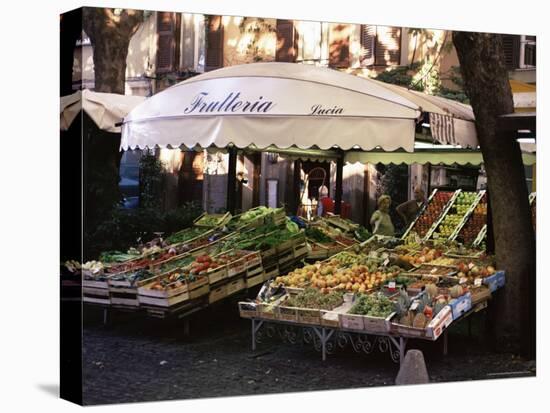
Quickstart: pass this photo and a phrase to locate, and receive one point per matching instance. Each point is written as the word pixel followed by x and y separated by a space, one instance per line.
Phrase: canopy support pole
pixel 295 201
pixel 232 180
pixel 339 178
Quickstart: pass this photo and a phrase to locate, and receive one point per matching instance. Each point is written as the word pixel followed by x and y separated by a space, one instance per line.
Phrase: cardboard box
pixel 461 305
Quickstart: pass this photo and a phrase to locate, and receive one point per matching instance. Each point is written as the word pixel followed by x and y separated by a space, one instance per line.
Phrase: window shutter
pixel 287 41
pixel 368 37
pixel 388 46
pixel 166 47
pixel 338 52
pixel 510 44
pixel 214 43
pixel 530 56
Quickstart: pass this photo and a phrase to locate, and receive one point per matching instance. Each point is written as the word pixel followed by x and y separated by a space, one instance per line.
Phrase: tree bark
pixel 110 35
pixel 486 83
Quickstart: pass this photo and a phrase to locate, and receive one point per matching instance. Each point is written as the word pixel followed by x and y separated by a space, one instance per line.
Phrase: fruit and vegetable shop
pixel 343 211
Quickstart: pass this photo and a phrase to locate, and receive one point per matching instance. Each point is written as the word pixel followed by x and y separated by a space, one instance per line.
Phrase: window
pixel 529 51
pixel 287 41
pixel 214 43
pixel 167 23
pixel 519 51
pixel 338 52
pixel 380 45
pixel 192 42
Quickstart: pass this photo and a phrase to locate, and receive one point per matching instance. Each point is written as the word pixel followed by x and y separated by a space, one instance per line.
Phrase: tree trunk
pixel 110 35
pixel 486 82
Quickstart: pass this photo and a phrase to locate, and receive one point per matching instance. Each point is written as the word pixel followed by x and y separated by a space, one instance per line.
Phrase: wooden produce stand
pixel 328 329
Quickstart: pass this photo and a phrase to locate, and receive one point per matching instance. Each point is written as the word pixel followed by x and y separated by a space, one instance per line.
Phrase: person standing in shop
pixel 380 220
pixel 409 209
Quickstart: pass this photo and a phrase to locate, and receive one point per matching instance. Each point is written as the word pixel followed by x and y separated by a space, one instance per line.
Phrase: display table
pixel 326 339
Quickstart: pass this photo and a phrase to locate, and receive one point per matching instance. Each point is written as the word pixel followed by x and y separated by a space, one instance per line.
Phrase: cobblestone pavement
pixel 134 359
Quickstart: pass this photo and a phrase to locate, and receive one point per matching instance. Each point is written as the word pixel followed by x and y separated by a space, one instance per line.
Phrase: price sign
pixel 414 305
pixel 478 281
pixel 462 280
pixel 386 261
pixel 391 285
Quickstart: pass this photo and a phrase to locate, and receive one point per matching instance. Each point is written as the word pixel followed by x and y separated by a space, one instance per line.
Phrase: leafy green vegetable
pixel 185 235
pixel 373 305
pixel 117 256
pixel 317 235
pixel 313 298
pixel 362 234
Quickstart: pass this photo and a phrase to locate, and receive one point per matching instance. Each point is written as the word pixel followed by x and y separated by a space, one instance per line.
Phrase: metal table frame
pixel 324 334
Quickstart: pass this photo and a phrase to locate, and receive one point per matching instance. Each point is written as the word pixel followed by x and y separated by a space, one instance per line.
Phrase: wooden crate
pixel 247 310
pixel 317 251
pixel 330 319
pixel 217 294
pixel 352 322
pixel 199 292
pixel 217 274
pixel 255 280
pixel 308 316
pixel 96 295
pixel 222 219
pixel 267 311
pixel 95 284
pixel 236 267
pixel 286 257
pixel 268 254
pixel 253 271
pixel 253 259
pixel 271 272
pixel 235 286
pixel 407 331
pixel 286 314
pixel 378 324
pixel 295 290
pixel 124 296
pixel 300 251
pixel 284 246
pixel 171 296
pixel 166 301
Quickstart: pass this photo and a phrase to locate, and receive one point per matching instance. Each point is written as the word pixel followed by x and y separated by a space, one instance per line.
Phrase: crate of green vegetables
pixel 307 304
pixel 212 220
pixel 254 217
pixel 187 235
pixel 370 313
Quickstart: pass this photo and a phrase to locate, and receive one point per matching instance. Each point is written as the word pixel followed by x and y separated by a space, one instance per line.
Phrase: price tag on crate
pixel 386 262
pixel 391 285
pixel 414 305
pixel 478 282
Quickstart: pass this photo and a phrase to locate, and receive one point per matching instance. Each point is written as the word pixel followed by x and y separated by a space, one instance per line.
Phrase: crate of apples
pixel 432 212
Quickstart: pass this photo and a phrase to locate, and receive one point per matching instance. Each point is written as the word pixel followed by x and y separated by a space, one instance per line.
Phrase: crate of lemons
pixel 330 276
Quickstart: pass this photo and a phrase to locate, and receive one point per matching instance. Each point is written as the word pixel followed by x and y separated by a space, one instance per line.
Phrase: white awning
pixel 280 104
pixel 425 153
pixel 451 122
pixel 105 109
